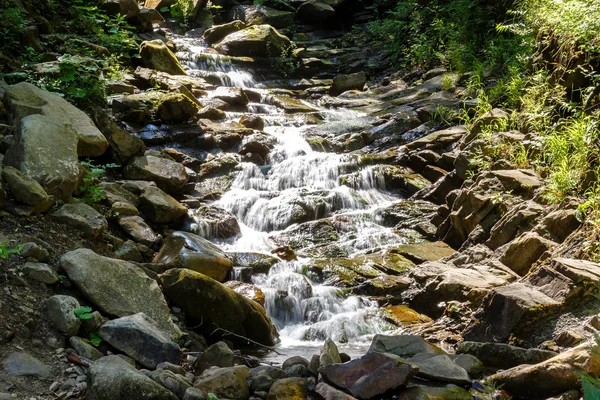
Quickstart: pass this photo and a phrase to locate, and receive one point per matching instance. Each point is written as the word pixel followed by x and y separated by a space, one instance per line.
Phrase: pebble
pixel 55 386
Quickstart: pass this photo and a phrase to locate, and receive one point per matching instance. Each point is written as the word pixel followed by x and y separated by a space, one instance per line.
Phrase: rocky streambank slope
pixel 221 231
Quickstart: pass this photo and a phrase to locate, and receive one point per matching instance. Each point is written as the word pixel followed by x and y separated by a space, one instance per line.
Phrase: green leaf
pixel 95 338
pixel 164 9
pixel 82 310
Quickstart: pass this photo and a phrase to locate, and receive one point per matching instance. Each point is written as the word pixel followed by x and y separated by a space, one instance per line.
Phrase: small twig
pixel 227 333
pixel 197 326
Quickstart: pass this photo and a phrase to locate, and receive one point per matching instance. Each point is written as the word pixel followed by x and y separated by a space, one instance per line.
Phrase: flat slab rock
pixel 369 376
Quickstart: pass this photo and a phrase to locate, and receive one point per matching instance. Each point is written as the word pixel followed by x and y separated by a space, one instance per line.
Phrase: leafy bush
pixel 6 251
pixel 456 33
pixel 90 191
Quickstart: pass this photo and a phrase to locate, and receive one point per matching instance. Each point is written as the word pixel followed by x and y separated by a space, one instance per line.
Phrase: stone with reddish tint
pixel 369 376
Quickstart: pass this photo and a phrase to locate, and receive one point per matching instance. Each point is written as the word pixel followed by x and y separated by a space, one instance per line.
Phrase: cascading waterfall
pixel 296 185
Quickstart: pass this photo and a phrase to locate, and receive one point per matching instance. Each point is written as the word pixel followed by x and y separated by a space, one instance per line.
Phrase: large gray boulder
pixel 117 287
pixel 82 217
pixel 26 99
pixel 168 175
pixel 141 338
pixel 218 32
pixel 113 378
pixel 255 41
pixel 315 10
pixel 45 149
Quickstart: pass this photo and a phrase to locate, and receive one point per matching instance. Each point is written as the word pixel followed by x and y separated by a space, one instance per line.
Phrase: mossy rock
pixel 403 315
pixel 427 251
pixel 220 306
pixel 156 55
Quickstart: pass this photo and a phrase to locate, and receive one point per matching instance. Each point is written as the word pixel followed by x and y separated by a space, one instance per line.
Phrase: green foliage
pixel 83 312
pixel 95 339
pixel 6 251
pixel 182 10
pixel 285 64
pixel 456 33
pixel 212 396
pixel 12 20
pixel 90 191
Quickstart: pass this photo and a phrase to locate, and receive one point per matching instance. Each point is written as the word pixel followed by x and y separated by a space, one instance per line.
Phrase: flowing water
pixel 266 199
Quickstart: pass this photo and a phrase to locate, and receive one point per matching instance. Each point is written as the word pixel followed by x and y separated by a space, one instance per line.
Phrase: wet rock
pixel 222 307
pixel 551 377
pixel 35 251
pixel 296 371
pixel 142 339
pixel 259 144
pixel 138 229
pixel 82 217
pixel 156 55
pixel 60 312
pixel 432 393
pixel 23 364
pixel 159 207
pixel 84 349
pixel 403 345
pixel 342 83
pixel 234 96
pixel 370 375
pixel 260 263
pixel 247 290
pixel 328 392
pixel 45 149
pixel 175 383
pixel 228 383
pixel 289 105
pixel 168 175
pixel 212 222
pixel 440 368
pixel 186 250
pixel 329 354
pixel 253 122
pixel 217 355
pixel 27 190
pixel 254 41
pixel 315 10
pixel 193 394
pixel 218 32
pixel 288 389
pixel 40 272
pixel 113 378
pixel 175 107
pixel 26 99
pixel 502 355
pixel 118 287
